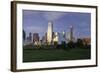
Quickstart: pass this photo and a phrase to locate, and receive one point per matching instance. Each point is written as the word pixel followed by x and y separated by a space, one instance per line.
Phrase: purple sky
pixel 37 22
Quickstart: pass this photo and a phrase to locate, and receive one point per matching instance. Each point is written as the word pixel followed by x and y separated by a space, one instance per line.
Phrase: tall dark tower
pixel 71 33
pixel 24 35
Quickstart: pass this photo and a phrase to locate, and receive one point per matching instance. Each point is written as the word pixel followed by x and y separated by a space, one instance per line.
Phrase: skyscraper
pixel 44 39
pixel 36 39
pixel 24 35
pixel 55 37
pixel 28 39
pixel 49 33
pixel 30 36
pixel 61 37
pixel 68 37
pixel 71 33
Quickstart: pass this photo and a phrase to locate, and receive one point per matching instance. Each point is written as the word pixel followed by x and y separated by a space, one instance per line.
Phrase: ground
pixel 36 55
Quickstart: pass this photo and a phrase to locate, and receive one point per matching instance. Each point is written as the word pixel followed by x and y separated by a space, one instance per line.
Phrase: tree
pixel 70 44
pixel 79 43
pixel 63 45
pixel 55 43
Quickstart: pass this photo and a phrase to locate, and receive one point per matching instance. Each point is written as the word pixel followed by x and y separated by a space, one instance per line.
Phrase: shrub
pixel 79 43
pixel 71 44
pixel 63 45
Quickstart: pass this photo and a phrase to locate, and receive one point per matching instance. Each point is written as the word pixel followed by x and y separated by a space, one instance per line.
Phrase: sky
pixel 35 21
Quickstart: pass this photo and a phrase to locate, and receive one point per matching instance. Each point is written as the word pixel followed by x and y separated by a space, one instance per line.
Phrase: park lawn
pixel 36 55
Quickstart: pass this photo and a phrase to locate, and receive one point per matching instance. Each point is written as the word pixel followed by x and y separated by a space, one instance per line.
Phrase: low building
pixel 86 41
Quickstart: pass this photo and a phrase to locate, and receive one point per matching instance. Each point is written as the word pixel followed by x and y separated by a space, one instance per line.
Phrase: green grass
pixel 36 55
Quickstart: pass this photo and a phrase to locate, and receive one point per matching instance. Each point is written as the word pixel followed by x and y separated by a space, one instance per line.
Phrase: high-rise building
pixel 28 39
pixel 68 37
pixel 61 37
pixel 24 35
pixel 55 37
pixel 44 39
pixel 71 33
pixel 30 36
pixel 36 39
pixel 24 38
pixel 49 33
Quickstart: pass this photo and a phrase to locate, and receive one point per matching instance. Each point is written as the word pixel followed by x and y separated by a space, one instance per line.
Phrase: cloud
pixel 34 29
pixel 50 16
pixel 29 12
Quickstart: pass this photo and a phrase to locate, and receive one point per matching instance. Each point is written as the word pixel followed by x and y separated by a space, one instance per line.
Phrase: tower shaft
pixel 71 33
pixel 49 33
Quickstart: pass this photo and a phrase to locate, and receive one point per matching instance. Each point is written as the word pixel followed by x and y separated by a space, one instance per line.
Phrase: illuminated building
pixel 55 37
pixel 49 33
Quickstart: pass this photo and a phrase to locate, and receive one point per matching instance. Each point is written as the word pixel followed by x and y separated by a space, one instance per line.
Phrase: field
pixel 36 55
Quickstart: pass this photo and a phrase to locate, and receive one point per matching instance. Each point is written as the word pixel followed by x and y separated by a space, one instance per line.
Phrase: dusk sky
pixel 37 22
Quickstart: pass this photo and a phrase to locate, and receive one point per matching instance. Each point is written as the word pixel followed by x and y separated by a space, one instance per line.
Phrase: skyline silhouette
pixel 37 22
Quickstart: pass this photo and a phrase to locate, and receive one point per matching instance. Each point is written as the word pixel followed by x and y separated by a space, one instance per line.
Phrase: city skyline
pixel 37 22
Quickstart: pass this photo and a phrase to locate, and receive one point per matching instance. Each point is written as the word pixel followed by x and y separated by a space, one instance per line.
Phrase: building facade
pixel 50 32
pixel 36 39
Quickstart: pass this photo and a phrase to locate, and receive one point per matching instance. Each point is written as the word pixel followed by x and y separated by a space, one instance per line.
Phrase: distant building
pixel 86 41
pixel 49 33
pixel 24 35
pixel 36 39
pixel 28 39
pixel 44 39
pixel 24 38
pixel 59 37
pixel 55 37
pixel 71 33
pixel 68 37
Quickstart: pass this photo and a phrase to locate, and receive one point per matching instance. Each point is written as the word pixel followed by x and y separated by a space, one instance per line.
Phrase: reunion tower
pixel 50 32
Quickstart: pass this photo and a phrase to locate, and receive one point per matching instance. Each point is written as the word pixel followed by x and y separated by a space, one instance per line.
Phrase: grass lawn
pixel 34 55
